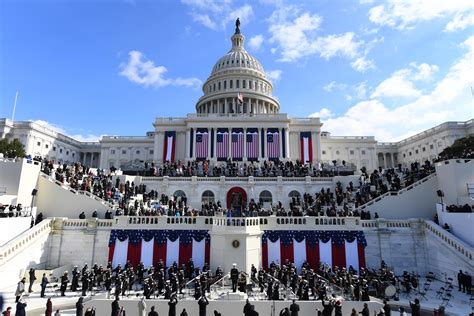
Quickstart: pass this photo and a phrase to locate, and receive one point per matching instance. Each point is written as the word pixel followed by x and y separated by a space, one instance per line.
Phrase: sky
pixel 109 67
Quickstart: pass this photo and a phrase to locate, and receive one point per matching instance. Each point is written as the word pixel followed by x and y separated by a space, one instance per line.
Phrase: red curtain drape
pixel 207 252
pixel 159 253
pixel 302 148
pixel 173 146
pixel 111 252
pixel 286 252
pixel 312 256
pixel 338 256
pixel 361 253
pixel 185 253
pixel 310 149
pixel 265 256
pixel 134 253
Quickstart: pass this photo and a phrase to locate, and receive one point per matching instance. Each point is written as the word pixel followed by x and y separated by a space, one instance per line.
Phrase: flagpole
pixel 14 106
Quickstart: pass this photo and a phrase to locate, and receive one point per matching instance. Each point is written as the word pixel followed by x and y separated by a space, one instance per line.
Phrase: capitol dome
pixel 237 84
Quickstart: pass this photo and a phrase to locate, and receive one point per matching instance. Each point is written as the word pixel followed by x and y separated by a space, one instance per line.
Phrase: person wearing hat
pixel 234 276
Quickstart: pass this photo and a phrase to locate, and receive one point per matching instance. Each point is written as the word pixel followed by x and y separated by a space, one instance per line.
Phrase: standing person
pixel 247 308
pixel 7 312
pixel 184 312
pixel 172 305
pixel 203 302
pixel 338 309
pixel 80 306
pixel 44 283
pixel 365 311
pixel 142 307
pixel 49 308
pixel 57 313
pixel 415 307
pixel 234 276
pixel 353 312
pixel 20 308
pixel 285 312
pixel 64 282
pixel 387 308
pixel 32 279
pixel 460 280
pixel 115 307
pixel 152 312
pixel 294 308
pixel 20 288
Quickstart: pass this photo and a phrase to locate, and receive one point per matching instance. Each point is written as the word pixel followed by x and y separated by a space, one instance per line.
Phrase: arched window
pixel 265 197
pixel 179 195
pixel 207 197
pixel 294 194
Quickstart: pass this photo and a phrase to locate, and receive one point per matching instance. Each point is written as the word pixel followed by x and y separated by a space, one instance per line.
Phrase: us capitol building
pixel 238 118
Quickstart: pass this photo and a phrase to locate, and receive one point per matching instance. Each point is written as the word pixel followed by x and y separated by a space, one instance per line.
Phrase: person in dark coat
pixel 44 283
pixel 234 276
pixel 20 308
pixel 64 282
pixel 172 305
pixel 203 302
pixel 247 308
pixel 338 308
pixel 80 306
pixel 327 308
pixel 49 308
pixel 32 279
pixel 115 307
pixel 387 308
pixel 285 312
pixel 365 311
pixel 415 307
pixel 184 312
pixel 152 312
pixel 294 308
pixel 460 280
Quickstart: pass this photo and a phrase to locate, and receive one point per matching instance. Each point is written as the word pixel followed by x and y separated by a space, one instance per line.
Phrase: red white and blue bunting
pixel 334 248
pixel 151 246
pixel 169 146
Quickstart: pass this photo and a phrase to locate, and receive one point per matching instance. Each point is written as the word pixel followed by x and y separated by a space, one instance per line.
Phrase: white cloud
pixel 460 22
pixel 366 1
pixel 334 85
pixel 407 13
pixel 145 72
pixel 294 35
pixel 400 83
pixel 217 15
pixel 358 91
pixel 274 75
pixel 256 42
pixel 322 114
pixel 450 99
pixel 58 129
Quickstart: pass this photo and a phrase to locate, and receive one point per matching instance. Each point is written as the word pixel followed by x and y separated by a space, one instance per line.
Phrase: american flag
pixel 237 145
pixel 273 146
pixel 222 145
pixel 252 145
pixel 202 141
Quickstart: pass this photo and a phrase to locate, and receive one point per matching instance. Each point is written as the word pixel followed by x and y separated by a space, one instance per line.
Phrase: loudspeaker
pixel 33 193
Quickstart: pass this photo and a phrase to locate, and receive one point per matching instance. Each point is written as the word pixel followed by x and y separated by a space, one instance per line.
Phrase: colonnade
pixel 231 105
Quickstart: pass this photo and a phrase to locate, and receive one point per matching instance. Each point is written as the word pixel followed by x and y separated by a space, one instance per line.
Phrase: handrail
pixel 450 240
pixel 77 192
pixel 340 289
pixel 396 193
pixel 14 246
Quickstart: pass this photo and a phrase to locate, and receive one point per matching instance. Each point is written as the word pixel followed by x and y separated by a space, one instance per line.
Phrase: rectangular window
pixel 151 151
pixel 243 84
pixel 67 152
pixel 54 148
pixel 124 152
pixel 351 152
pixel 230 85
pixel 60 150
pixel 363 152
pixel 112 151
pixel 46 146
pixel 137 152
pixel 73 154
pixel 324 152
pixel 237 84
pixel 424 149
pixel 416 151
pixel 431 146
pixel 225 84
pixel 219 86
pixel 38 143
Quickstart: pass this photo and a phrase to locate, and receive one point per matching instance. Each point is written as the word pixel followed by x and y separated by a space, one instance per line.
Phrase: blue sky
pixel 109 67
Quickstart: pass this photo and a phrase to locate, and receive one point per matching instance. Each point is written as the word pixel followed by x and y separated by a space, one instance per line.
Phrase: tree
pixel 12 149
pixel 462 148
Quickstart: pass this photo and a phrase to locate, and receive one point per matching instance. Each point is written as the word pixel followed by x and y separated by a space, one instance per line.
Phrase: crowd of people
pixel 466 208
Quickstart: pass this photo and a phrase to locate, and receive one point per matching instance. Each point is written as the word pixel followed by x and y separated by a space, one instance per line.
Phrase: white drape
pixel 325 252
pixel 274 253
pixel 172 252
pixel 169 148
pixel 352 255
pixel 299 253
pixel 199 252
pixel 120 253
pixel 305 149
pixel 147 252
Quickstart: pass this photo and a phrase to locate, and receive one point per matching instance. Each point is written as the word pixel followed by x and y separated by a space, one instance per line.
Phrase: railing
pixel 396 193
pixel 220 283
pixel 224 179
pixel 78 192
pixel 387 223
pixel 22 241
pixel 450 240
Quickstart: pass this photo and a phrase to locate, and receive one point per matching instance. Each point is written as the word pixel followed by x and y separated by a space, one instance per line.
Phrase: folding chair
pixel 446 300
pixel 440 292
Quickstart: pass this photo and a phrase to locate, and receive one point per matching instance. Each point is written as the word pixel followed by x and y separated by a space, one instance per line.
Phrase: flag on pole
pixel 273 145
pixel 240 97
